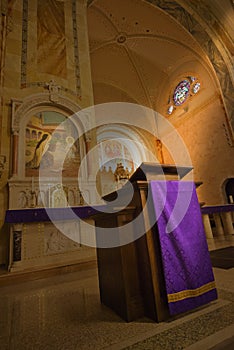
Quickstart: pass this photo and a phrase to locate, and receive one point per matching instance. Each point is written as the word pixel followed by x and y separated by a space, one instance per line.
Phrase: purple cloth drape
pixel 187 267
pixel 49 214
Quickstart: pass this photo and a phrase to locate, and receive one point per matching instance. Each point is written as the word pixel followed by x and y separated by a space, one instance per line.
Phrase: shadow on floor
pixel 223 258
pixel 225 345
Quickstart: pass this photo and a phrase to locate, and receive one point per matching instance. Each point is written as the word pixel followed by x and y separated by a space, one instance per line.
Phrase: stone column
pixel 218 224
pixel 15 148
pixel 88 155
pixel 207 226
pixel 227 223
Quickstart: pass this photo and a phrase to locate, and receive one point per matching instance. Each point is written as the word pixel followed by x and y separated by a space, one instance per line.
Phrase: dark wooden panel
pixel 118 275
pixel 131 276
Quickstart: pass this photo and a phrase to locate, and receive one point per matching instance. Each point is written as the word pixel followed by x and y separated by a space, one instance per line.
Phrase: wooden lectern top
pixel 153 171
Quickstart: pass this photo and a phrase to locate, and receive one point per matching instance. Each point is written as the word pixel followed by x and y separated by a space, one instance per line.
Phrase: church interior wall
pixel 208 145
pixel 58 58
pixel 45 68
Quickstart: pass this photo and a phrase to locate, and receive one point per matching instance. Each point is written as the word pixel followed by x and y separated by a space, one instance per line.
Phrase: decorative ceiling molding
pixel 146 36
pixel 106 17
pixel 140 78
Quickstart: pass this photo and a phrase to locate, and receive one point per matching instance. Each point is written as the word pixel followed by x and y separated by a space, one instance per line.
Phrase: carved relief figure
pixel 55 242
pixel 22 200
pixel 59 198
pixel 160 151
pixel 121 173
pixel 41 199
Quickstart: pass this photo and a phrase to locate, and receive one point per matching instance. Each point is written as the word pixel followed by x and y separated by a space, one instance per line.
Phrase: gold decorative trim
pixel 190 293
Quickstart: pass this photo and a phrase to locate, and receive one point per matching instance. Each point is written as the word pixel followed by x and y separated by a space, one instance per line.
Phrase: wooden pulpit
pixel 131 278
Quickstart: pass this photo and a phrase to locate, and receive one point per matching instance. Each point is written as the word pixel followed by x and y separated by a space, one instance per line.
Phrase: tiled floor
pixel 64 312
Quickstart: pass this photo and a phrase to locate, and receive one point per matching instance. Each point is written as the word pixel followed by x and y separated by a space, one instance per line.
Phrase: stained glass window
pixel 192 79
pixel 170 109
pixel 189 86
pixel 196 88
pixel 181 92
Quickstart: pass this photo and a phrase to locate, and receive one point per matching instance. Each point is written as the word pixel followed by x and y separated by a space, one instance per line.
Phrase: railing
pixel 218 220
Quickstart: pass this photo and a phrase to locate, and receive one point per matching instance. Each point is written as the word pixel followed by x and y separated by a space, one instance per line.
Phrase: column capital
pixel 15 131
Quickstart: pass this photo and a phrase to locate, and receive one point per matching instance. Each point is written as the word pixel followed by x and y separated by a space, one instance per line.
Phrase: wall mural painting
pixel 51 37
pixel 113 155
pixel 113 152
pixel 43 150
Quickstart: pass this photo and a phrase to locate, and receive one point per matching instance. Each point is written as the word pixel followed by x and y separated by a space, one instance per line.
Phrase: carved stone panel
pixel 56 243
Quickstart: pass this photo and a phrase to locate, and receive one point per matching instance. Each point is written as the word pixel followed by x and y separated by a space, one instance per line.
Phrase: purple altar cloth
pixel 49 214
pixel 186 261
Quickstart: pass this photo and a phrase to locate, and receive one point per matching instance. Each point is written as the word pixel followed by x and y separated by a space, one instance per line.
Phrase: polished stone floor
pixel 63 312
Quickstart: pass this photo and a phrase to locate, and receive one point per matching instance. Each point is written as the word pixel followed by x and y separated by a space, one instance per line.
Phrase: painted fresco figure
pixel 34 163
pixel 47 159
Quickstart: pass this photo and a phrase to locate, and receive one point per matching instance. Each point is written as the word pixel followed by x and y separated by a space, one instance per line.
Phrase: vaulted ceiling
pixel 139 53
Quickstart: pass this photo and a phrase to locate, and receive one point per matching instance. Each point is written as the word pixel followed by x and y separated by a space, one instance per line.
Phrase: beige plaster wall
pixel 212 157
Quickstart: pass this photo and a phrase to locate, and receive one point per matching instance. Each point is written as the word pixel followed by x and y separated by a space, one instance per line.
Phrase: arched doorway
pixel 229 190
pixel 121 150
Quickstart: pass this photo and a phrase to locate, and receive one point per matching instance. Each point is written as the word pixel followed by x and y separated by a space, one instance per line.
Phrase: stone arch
pixel 21 113
pixel 228 190
pixel 22 109
pixel 135 147
pixel 138 146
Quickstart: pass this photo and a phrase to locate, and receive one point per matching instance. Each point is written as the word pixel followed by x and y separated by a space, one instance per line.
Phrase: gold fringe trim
pixel 190 293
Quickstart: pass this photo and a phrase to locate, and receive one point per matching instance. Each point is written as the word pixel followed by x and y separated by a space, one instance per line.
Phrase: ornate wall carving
pixel 37 245
pixel 2 164
pixel 75 38
pixel 24 44
pixel 56 243
pixel 25 195
pixel 21 109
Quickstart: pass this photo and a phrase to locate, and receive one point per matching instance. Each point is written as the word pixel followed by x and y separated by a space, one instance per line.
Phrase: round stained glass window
pixel 181 92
